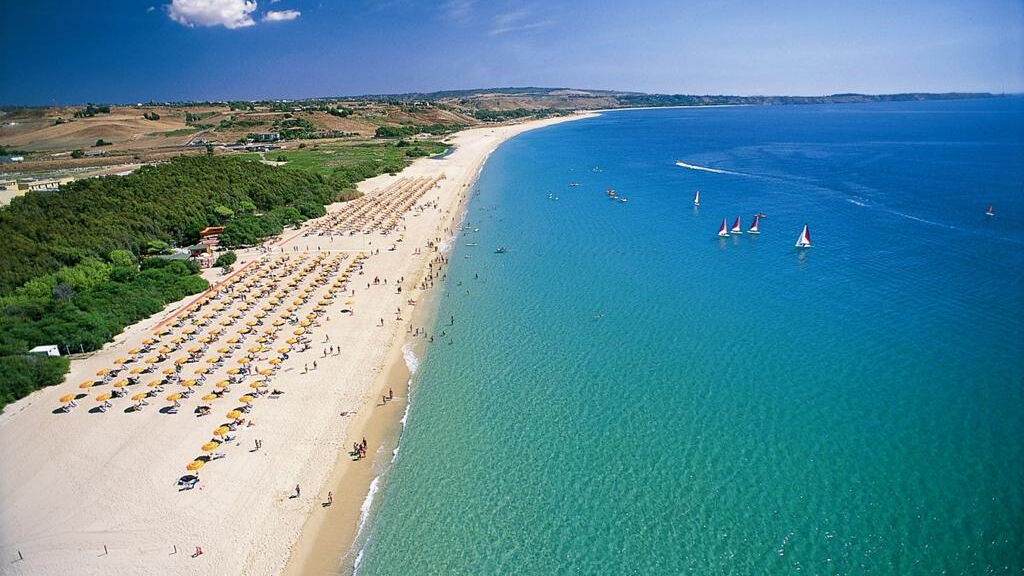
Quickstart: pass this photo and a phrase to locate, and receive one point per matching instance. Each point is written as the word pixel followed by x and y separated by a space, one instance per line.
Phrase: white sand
pixel 72 484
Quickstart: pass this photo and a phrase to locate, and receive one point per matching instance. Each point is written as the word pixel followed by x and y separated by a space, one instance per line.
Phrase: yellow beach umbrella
pixel 181 360
pixel 102 372
pixel 174 397
pixel 168 370
pixel 243 360
pixel 194 349
pixel 275 361
pixel 85 385
pixel 255 349
pixel 213 359
pixel 121 361
pixel 195 465
pixel 153 384
pixel 120 384
pixel 266 372
pixel 256 384
pixel 222 384
pixel 210 446
pixel 138 397
pixel 223 349
pixel 292 341
pixel 305 323
pixel 283 350
pixel 299 331
pixel 349 303
pixel 188 383
pixel 152 360
pixel 133 351
pixel 67 398
pixel 234 414
pixel 148 341
pixel 203 370
pixel 209 397
pixel 233 340
pixel 103 397
pixel 221 431
pixel 135 371
pixel 246 399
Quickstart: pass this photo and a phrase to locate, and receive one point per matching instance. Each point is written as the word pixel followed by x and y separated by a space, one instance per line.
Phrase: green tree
pixel 226 259
pixel 223 212
pixel 122 259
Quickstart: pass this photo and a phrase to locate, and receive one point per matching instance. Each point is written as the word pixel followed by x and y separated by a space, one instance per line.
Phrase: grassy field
pixel 323 158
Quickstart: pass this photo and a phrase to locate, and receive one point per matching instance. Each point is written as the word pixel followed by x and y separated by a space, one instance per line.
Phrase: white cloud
pixel 281 15
pixel 227 13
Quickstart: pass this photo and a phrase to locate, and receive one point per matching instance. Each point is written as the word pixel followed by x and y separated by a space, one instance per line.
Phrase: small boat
pixel 696 198
pixel 470 243
pixel 990 212
pixel 623 199
pixel 753 227
pixel 597 169
pixel 804 241
pixel 737 226
pixel 501 250
pixel 724 230
pixel 762 215
pixel 573 184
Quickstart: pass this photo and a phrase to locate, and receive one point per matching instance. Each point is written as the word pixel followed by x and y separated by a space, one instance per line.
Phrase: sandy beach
pixel 95 492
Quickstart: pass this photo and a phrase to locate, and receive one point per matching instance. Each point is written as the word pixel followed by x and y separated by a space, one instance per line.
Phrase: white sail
pixel 724 230
pixel 804 241
pixel 696 198
pixel 753 227
pixel 737 226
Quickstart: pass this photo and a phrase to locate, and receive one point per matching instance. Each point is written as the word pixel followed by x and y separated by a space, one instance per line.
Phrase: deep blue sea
pixel 625 393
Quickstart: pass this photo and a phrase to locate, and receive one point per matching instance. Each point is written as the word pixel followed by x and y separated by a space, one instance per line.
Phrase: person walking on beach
pixel 330 498
pixel 298 491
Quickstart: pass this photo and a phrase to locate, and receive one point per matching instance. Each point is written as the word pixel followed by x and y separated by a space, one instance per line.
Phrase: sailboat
pixel 804 241
pixel 724 230
pixel 696 198
pixel 753 227
pixel 989 212
pixel 737 227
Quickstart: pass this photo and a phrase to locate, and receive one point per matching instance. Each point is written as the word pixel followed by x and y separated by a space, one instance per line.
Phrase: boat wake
pixel 682 164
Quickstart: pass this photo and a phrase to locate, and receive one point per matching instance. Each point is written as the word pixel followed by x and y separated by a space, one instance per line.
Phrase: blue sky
pixel 130 51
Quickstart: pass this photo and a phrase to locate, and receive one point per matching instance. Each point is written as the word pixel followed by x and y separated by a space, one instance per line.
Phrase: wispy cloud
pixel 516 21
pixel 227 13
pixel 458 12
pixel 281 15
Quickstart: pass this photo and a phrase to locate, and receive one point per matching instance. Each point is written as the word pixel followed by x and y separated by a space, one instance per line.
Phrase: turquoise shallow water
pixel 740 407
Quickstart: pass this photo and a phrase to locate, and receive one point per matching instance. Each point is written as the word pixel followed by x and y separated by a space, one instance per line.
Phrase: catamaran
pixel 804 241
pixel 753 227
pixel 696 198
pixel 989 212
pixel 724 230
pixel 737 227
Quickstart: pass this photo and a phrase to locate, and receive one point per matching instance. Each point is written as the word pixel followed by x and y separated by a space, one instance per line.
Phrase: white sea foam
pixel 364 509
pixel 705 168
pixel 411 361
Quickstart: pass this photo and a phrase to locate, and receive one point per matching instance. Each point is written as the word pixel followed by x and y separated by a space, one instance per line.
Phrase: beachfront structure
pixel 267 137
pixel 50 350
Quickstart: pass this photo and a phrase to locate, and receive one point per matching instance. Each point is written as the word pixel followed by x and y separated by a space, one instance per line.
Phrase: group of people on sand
pixel 359 449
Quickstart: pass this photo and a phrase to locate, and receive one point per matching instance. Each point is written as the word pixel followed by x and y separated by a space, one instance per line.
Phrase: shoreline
pixel 109 476
pixel 326 545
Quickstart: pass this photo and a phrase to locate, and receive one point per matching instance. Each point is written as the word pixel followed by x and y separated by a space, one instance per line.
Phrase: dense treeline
pixel 403 131
pixel 79 309
pixel 169 202
pixel 515 113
